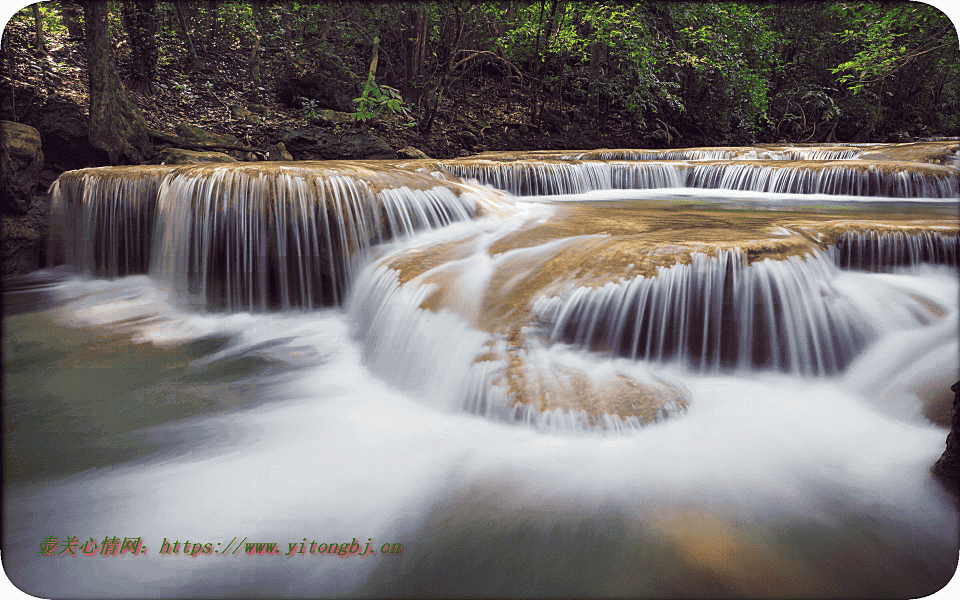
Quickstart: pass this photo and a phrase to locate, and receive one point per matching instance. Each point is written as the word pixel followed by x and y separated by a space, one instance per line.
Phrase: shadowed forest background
pixel 453 78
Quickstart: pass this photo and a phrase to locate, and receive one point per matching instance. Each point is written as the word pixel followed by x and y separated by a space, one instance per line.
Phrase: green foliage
pixel 377 100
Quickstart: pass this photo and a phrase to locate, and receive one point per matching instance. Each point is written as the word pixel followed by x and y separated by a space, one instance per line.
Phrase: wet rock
pixel 316 144
pixel 948 466
pixel 21 160
pixel 179 156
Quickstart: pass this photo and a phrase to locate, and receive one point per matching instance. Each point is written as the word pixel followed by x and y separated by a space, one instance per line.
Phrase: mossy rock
pixel 179 156
pixel 193 133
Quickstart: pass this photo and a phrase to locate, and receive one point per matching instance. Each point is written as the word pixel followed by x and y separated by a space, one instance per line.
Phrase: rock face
pixel 23 240
pixel 332 86
pixel 21 160
pixel 317 144
pixel 65 129
pixel 949 464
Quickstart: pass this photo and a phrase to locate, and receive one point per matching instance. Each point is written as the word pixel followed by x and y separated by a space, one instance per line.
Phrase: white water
pixel 382 426
pixel 345 454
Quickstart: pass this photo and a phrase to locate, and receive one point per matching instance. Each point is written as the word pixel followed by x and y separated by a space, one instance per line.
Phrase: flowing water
pixel 625 382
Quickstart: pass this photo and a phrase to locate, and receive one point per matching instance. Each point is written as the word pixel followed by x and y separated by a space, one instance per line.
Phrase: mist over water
pixel 374 421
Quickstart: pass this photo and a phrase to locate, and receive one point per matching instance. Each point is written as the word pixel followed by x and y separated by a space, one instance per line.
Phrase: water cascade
pixel 883 251
pixel 644 388
pixel 718 312
pixel 853 178
pixel 248 238
pixel 103 219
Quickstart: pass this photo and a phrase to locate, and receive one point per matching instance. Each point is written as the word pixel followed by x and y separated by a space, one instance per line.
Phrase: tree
pixel 140 22
pixel 116 124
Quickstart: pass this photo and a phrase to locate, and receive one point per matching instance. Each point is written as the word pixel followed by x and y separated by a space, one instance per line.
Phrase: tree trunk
pixel 39 43
pixel 287 25
pixel 255 52
pixel 194 59
pixel 116 124
pixel 213 23
pixel 140 21
pixel 593 90
pixel 414 47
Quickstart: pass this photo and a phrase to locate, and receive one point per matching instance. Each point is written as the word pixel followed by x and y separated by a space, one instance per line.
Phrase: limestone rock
pixel 411 152
pixel 317 144
pixel 21 160
pixel 178 156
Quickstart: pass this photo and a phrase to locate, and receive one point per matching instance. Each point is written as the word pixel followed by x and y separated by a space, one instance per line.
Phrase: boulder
pixel 278 152
pixel 317 144
pixel 178 156
pixel 21 160
pixel 411 152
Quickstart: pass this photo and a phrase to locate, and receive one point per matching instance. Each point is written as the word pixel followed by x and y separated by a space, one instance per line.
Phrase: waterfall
pixel 882 251
pixel 854 178
pixel 535 178
pixel 242 237
pixel 102 219
pixel 719 313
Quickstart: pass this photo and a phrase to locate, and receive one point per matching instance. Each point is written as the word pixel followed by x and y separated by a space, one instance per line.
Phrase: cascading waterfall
pixel 250 240
pixel 893 179
pixel 103 218
pixel 898 180
pixel 676 393
pixel 245 238
pixel 720 313
pixel 691 154
pixel 536 179
pixel 884 251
